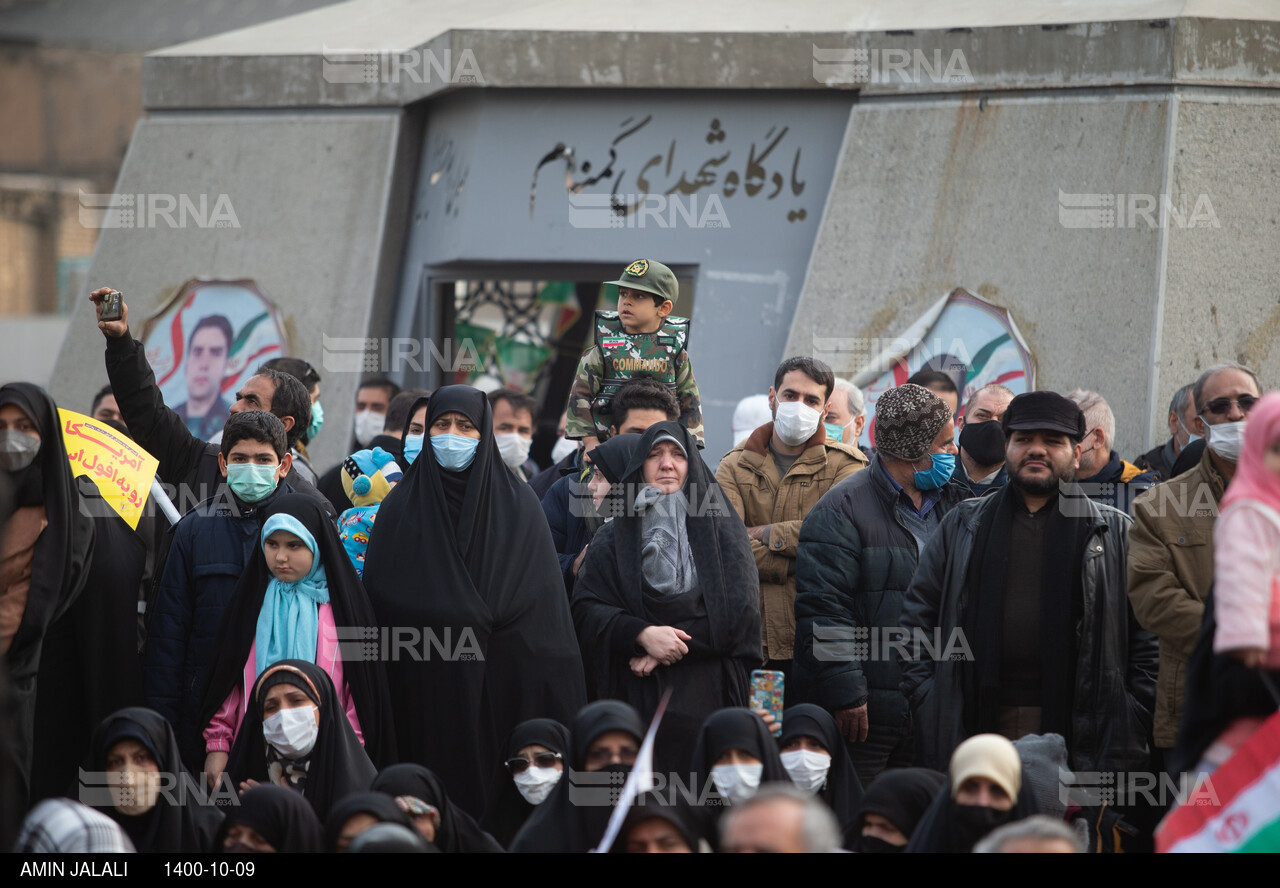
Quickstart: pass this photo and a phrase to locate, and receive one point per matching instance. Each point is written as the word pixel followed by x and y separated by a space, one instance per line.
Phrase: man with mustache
pixel 1025 588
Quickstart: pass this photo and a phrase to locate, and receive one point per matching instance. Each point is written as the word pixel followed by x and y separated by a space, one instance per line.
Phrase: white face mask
pixel 535 784
pixel 563 448
pixel 795 422
pixel 292 731
pixel 808 768
pixel 1226 439
pixel 514 448
pixel 369 425
pixel 737 783
pixel 17 450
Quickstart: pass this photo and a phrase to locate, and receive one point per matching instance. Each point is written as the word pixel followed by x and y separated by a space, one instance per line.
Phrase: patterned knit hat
pixel 907 420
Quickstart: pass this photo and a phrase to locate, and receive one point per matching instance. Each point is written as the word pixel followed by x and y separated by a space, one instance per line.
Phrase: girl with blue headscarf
pixel 298 590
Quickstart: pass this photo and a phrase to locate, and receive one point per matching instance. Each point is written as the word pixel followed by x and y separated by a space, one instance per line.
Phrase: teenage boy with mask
pixel 640 339
pixel 774 478
pixel 210 548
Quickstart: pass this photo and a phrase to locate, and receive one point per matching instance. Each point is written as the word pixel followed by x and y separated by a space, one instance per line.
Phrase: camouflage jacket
pixel 581 422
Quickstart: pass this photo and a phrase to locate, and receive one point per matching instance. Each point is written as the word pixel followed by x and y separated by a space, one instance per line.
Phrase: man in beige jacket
pixel 1171 540
pixel 774 478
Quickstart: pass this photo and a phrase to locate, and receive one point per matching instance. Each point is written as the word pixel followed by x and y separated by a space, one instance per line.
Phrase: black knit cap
pixel 1044 411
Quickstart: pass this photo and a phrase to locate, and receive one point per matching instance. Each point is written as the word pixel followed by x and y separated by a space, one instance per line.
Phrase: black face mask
pixel 973 822
pixel 984 442
pixel 238 848
pixel 873 845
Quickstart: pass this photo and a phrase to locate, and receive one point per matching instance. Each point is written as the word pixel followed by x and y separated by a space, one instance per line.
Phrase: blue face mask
pixel 835 431
pixel 412 447
pixel 454 452
pixel 1192 437
pixel 252 483
pixel 317 420
pixel 943 465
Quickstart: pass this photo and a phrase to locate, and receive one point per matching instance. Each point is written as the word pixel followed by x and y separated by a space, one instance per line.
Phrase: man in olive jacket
pixel 1025 589
pixel 772 483
pixel 1171 543
pixel 857 552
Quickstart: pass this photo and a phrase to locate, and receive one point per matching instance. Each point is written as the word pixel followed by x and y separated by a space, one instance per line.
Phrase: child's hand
pixel 1251 657
pixel 214 764
pixel 246 785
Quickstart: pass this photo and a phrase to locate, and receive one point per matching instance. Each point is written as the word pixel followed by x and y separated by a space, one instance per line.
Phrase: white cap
pixel 751 413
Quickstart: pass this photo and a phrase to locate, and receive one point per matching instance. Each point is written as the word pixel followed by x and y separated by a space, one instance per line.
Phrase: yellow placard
pixel 122 470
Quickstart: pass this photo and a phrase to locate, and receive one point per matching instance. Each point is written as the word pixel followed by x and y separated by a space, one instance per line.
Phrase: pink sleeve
pixel 225 724
pixel 222 728
pixel 329 658
pixel 1246 563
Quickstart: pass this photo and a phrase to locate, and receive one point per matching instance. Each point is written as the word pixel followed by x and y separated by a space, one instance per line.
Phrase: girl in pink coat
pixel 298 599
pixel 1246 538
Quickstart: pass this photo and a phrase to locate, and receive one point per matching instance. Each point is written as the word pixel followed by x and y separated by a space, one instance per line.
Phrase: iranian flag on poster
pixel 1247 817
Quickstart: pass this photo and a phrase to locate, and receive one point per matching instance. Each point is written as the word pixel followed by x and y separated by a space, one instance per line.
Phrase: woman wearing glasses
pixel 533 765
pixel 606 738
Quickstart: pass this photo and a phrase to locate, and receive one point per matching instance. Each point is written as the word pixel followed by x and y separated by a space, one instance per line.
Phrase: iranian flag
pixel 1247 817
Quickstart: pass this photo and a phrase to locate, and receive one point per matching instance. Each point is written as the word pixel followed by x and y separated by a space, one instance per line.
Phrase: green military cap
pixel 649 277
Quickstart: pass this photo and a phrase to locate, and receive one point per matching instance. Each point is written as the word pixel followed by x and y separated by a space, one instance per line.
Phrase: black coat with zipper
pixel 854 562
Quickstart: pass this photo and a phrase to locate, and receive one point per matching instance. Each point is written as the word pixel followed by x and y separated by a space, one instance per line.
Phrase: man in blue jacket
pixel 857 551
pixel 210 549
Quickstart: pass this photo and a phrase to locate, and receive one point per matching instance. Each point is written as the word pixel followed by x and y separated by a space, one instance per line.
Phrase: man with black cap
pixel 857 550
pixel 641 338
pixel 1023 592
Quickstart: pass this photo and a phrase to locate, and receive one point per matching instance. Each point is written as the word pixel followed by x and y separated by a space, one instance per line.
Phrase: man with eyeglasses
pixel 1171 542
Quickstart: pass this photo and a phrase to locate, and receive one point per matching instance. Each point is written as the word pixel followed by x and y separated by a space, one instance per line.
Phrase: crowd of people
pixel 440 645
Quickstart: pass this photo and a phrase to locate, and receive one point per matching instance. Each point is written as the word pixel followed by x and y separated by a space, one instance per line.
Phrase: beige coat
pixel 749 478
pixel 1170 572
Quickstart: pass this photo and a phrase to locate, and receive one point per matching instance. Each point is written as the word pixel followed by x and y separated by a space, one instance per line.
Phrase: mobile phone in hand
pixel 111 307
pixel 767 687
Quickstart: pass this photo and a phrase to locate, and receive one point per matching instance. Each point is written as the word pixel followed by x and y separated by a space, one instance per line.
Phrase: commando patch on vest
pixel 629 365
pixel 638 268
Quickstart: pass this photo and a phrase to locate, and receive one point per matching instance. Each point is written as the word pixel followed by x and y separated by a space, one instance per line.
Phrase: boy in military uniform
pixel 639 339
